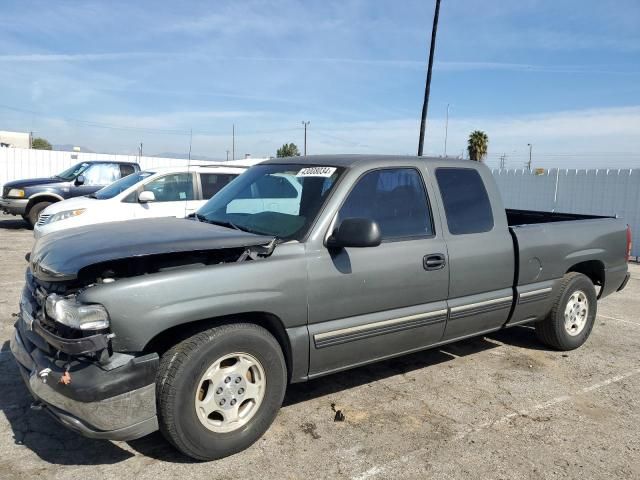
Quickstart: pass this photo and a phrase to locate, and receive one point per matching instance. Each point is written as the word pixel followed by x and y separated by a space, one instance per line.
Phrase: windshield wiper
pixel 91 195
pixel 221 223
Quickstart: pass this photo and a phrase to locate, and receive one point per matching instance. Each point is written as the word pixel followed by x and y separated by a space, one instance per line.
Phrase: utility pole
pixel 140 150
pixel 227 155
pixel 427 87
pixel 529 162
pixel 446 131
pixel 503 157
pixel 305 136
pixel 233 141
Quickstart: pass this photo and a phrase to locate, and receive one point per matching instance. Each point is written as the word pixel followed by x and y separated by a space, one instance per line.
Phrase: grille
pixel 42 219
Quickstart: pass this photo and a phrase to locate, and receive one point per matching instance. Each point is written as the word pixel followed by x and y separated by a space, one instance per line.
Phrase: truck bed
pixel 529 217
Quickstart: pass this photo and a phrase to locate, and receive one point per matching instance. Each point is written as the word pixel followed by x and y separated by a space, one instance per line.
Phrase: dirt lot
pixel 501 406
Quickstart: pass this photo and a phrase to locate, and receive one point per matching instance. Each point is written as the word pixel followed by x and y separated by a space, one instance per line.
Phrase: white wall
pixel 15 139
pixel 596 192
pixel 19 163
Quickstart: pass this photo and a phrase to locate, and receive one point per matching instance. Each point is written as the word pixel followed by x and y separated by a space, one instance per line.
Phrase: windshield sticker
pixel 325 172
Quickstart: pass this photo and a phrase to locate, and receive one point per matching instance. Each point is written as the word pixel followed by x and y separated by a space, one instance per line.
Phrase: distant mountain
pixel 67 147
pixel 194 156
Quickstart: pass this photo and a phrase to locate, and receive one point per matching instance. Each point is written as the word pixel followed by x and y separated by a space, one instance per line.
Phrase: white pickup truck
pixel 159 192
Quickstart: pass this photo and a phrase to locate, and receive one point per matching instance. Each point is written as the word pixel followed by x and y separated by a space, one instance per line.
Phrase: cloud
pixel 79 57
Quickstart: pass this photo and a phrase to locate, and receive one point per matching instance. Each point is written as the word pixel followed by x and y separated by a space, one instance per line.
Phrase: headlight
pixel 66 214
pixel 16 193
pixel 68 311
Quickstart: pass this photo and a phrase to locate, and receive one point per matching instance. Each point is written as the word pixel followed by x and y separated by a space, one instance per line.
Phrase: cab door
pixel 370 303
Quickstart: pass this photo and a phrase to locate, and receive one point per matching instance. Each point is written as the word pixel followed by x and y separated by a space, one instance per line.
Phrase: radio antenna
pixel 186 197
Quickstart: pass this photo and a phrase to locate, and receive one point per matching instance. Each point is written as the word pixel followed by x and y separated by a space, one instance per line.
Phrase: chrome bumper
pixel 14 206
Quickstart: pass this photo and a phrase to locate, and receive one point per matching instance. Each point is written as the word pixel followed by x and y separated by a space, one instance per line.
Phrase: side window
pixel 101 174
pixel 126 169
pixel 212 183
pixel 465 200
pixel 172 188
pixel 395 198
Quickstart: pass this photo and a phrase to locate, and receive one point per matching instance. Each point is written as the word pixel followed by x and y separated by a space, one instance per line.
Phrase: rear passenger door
pixel 481 256
pixel 371 303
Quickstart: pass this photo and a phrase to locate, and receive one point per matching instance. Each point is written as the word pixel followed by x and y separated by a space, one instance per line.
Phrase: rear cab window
pixel 465 199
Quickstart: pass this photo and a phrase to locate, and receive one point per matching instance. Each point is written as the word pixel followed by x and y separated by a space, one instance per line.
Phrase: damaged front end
pixel 64 347
pixel 76 377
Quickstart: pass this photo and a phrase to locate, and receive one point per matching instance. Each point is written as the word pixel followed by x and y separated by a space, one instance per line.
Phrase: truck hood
pixel 61 255
pixel 33 182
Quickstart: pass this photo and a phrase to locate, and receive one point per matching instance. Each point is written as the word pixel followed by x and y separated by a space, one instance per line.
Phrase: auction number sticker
pixel 316 172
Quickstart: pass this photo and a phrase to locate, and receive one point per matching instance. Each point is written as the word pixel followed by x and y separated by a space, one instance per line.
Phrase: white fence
pixel 18 163
pixel 597 192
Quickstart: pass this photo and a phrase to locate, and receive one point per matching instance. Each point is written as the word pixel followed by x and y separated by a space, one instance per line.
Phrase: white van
pixel 159 192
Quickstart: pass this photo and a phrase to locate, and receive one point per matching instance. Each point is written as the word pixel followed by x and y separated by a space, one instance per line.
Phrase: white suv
pixel 159 192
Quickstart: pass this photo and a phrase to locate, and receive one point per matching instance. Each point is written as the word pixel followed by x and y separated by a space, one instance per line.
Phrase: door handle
pixel 434 261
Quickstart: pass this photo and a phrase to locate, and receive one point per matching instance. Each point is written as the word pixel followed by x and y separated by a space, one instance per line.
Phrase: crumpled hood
pixel 61 255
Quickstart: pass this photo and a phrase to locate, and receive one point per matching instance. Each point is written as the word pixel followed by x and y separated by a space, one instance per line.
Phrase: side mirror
pixel 355 232
pixel 79 180
pixel 146 196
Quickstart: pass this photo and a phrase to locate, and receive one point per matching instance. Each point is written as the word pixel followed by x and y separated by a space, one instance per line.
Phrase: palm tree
pixel 478 144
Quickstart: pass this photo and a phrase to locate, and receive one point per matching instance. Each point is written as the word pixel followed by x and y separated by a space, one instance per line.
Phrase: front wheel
pixel 572 315
pixel 219 390
pixel 35 211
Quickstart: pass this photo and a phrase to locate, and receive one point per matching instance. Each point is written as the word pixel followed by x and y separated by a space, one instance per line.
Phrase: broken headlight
pixel 68 311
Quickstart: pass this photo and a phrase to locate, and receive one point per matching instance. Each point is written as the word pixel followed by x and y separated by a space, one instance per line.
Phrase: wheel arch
pixel 164 340
pixel 593 269
pixel 42 197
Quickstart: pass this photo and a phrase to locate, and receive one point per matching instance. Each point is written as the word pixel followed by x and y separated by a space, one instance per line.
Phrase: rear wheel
pixel 572 315
pixel 219 391
pixel 35 211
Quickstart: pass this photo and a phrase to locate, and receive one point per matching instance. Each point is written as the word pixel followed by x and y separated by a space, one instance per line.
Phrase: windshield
pixel 279 200
pixel 121 185
pixel 72 172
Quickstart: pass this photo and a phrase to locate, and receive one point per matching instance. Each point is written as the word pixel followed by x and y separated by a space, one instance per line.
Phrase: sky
pixel 561 76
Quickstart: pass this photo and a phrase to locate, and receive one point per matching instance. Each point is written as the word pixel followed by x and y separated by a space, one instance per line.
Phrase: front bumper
pixel 115 401
pixel 14 206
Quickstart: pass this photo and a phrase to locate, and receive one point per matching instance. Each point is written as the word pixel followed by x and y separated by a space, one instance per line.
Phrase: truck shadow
pixel 8 222
pixel 55 444
pixel 40 433
pixel 346 380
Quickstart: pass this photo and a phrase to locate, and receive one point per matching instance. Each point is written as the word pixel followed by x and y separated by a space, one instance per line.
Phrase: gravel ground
pixel 501 406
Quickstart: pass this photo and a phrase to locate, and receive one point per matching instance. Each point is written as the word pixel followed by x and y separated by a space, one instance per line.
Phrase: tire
pixel 180 388
pixel 564 329
pixel 35 211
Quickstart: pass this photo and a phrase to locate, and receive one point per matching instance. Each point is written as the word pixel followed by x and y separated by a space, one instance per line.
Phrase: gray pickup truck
pixel 299 268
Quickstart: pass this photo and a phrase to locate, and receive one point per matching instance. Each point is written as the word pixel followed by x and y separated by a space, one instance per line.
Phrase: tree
pixel 40 144
pixel 288 150
pixel 478 145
